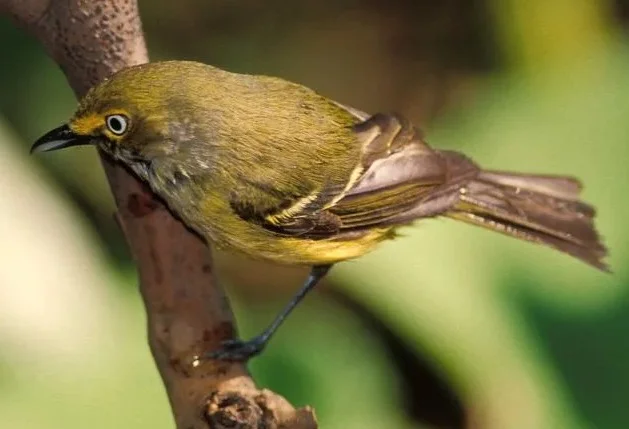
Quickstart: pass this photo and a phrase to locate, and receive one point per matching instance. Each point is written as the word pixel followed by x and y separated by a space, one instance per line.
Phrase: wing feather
pixel 395 171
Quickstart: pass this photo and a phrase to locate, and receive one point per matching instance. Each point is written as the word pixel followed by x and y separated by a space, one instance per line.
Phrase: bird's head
pixel 138 114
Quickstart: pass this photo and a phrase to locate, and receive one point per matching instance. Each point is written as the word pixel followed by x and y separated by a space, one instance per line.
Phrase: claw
pixel 238 350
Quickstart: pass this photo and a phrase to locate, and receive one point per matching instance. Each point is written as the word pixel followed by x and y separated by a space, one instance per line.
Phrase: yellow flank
pixel 259 244
pixel 329 251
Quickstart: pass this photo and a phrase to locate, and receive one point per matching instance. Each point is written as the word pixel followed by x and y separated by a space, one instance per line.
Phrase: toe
pixel 237 350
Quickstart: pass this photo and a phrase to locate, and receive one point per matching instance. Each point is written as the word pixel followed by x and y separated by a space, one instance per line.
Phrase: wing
pixel 403 177
pixel 395 170
pixel 294 213
pixel 398 178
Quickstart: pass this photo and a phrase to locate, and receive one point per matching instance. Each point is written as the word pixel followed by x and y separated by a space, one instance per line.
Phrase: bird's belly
pixel 259 243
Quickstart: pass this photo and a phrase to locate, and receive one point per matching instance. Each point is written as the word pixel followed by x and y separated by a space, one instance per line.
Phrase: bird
pixel 272 169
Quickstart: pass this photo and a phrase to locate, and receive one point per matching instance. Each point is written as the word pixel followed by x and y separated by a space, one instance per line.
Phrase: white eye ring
pixel 117 124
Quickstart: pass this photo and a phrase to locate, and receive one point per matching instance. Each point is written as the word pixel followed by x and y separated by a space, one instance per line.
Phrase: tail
pixel 541 209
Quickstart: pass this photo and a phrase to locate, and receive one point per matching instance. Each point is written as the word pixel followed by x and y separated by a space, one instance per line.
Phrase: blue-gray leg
pixel 239 350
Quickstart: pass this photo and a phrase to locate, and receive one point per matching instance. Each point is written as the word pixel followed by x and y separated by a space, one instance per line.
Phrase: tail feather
pixel 541 209
pixel 563 187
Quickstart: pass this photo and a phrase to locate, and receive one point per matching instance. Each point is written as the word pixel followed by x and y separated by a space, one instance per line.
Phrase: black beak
pixel 59 138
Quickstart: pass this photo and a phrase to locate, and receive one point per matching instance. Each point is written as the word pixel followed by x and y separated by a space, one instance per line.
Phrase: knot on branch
pixel 256 410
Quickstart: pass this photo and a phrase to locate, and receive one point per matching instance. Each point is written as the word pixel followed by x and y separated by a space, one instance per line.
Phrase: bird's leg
pixel 239 350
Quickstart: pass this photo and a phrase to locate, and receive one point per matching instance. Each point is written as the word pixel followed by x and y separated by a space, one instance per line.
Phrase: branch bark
pixel 188 313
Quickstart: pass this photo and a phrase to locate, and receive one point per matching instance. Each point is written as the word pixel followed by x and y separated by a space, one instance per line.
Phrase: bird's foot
pixel 238 350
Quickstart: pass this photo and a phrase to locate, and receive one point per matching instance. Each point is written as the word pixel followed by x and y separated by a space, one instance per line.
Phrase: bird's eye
pixel 117 124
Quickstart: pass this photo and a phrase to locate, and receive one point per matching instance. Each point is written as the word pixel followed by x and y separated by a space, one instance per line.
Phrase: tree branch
pixel 188 313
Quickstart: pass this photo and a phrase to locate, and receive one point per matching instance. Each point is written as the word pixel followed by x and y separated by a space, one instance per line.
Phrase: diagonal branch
pixel 188 313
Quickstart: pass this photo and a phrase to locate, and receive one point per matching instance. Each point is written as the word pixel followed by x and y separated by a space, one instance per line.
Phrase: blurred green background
pixel 449 327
